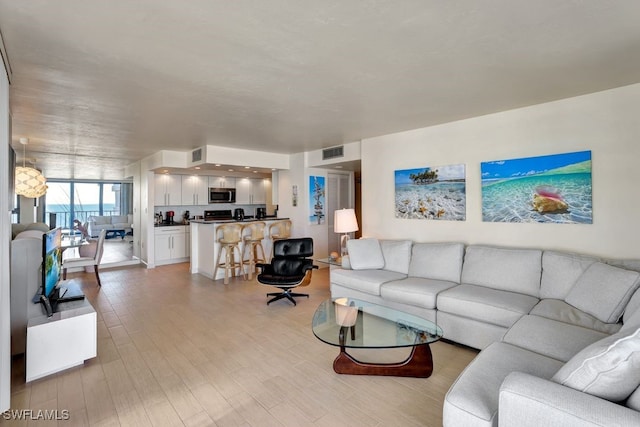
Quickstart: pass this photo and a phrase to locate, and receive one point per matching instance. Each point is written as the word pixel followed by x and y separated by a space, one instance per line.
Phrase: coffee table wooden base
pixel 419 364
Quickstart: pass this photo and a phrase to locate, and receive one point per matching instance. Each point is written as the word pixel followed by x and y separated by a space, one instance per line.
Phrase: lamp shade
pixel 346 314
pixel 30 182
pixel 344 221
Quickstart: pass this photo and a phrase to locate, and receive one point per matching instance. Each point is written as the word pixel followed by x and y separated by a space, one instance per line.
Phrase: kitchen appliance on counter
pixel 238 214
pixel 222 195
pixel 185 217
pixel 223 214
pixel 168 218
pixel 261 213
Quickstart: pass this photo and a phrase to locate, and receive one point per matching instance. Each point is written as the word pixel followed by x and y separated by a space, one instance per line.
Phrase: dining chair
pixel 86 261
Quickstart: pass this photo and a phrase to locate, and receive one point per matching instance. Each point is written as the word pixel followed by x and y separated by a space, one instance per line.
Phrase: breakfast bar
pixel 204 249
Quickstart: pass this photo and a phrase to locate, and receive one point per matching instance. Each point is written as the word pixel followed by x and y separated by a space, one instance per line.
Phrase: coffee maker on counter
pixel 168 219
pixel 261 213
pixel 238 214
pixel 185 217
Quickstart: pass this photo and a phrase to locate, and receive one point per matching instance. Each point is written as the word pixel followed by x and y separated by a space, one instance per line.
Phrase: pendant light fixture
pixel 29 181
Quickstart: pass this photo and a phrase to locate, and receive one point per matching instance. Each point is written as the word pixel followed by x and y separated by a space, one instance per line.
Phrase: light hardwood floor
pixel 179 349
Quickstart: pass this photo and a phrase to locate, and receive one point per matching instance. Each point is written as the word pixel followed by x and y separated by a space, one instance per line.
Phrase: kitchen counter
pixel 228 221
pixel 204 249
pixel 181 224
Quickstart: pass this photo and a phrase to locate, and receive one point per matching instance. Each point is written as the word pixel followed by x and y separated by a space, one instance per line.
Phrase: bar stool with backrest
pixel 229 237
pixel 279 230
pixel 252 236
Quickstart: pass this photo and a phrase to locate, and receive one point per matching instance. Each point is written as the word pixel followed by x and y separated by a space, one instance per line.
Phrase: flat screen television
pixel 51 261
pixel 52 272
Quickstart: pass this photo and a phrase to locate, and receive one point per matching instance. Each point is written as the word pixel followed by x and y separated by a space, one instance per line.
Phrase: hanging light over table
pixel 29 181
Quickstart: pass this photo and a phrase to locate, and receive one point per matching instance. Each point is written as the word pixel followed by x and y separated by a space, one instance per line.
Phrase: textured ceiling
pixel 99 84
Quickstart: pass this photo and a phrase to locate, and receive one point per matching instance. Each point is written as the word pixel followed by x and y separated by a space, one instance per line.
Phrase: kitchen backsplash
pixel 199 210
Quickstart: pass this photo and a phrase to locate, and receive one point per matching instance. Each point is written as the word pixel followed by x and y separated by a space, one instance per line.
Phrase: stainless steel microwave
pixel 222 195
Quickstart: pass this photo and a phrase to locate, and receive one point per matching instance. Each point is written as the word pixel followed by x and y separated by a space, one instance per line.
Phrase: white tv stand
pixel 63 341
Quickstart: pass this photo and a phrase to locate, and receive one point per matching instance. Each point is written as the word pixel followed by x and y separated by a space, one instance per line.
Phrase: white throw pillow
pixel 101 220
pixel 609 368
pixel 604 291
pixel 365 254
pixel 397 254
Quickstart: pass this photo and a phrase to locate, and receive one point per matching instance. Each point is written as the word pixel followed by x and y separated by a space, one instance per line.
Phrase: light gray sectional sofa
pixel 109 222
pixel 559 332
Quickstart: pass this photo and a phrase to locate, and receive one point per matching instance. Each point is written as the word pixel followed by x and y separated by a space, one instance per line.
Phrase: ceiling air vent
pixel 196 155
pixel 332 153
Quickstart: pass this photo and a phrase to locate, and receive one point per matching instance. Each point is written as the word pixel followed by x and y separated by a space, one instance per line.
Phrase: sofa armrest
pixel 526 400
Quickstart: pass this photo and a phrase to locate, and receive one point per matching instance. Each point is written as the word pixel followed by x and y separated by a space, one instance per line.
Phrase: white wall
pixel 298 175
pixel 605 122
pixel 133 171
pixel 5 242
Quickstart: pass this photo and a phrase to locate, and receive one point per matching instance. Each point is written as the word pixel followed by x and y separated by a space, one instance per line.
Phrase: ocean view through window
pixel 67 201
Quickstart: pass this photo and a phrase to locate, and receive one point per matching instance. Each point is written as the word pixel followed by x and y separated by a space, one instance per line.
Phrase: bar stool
pixel 229 237
pixel 252 236
pixel 279 230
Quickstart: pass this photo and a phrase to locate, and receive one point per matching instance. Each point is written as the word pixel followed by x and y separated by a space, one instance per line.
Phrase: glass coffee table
pixel 350 323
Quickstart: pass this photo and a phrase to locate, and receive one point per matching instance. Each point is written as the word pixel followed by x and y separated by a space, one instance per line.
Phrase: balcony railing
pixel 64 220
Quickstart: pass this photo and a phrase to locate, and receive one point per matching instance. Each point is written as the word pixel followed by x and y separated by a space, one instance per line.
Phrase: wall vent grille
pixel 196 155
pixel 332 153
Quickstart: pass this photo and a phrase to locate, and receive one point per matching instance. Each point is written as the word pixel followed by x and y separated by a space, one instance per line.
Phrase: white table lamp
pixel 344 221
pixel 346 314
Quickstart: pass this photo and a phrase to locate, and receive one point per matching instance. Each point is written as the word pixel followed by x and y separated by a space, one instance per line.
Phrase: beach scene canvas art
pixel 437 193
pixel 548 189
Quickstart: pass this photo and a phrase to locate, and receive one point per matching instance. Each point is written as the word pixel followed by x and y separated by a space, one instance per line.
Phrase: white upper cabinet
pixel 195 190
pixel 168 190
pixel 221 182
pixel 251 192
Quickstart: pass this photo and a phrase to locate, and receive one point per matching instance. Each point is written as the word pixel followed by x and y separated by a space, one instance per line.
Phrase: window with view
pixel 67 201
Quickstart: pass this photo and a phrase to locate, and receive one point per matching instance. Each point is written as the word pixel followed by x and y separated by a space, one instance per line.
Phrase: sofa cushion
pixel 415 291
pixel 560 271
pixel 440 261
pixel 631 321
pixel 365 254
pixel 472 400
pixel 514 270
pixel 633 401
pixel 367 281
pixel 552 338
pixel 609 368
pixel 397 254
pixel 100 220
pixel 627 264
pixel 633 306
pixel 604 291
pixel 563 312
pixel 119 219
pixel 485 304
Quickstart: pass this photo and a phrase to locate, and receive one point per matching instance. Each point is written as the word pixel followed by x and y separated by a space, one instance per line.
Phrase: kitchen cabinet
pixel 195 190
pixel 222 182
pixel 167 189
pixel 251 191
pixel 171 244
